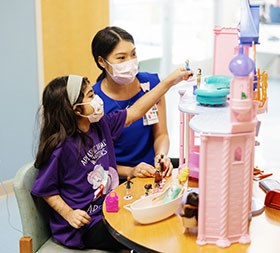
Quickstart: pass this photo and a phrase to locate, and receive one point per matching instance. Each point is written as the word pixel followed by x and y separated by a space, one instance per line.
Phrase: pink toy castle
pixel 225 47
pixel 225 156
pixel 227 162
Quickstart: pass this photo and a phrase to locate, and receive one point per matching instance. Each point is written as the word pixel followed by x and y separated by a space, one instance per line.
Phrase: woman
pixel 144 143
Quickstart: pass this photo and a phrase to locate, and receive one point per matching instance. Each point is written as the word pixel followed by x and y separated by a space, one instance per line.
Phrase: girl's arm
pixel 76 218
pixel 143 104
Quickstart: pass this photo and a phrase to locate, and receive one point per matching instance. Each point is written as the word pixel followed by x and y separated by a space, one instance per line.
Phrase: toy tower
pixel 227 161
pixel 227 155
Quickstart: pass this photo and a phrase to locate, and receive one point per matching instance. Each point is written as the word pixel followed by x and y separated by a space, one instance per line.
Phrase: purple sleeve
pixel 46 182
pixel 116 121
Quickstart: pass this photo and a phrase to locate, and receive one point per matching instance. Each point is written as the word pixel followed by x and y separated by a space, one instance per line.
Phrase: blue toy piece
pixel 249 23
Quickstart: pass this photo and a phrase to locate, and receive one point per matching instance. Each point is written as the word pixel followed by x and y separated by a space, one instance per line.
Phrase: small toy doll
pixel 183 176
pixel 190 213
pixel 198 77
pixel 158 180
pixel 128 189
pixel 148 187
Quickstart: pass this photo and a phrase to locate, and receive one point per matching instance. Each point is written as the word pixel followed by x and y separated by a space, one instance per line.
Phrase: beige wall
pixel 68 27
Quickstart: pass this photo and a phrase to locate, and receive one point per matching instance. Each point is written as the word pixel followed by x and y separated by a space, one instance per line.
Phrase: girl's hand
pixel 143 170
pixel 77 218
pixel 166 162
pixel 178 75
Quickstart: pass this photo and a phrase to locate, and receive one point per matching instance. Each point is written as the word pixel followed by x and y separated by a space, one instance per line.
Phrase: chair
pixel 36 232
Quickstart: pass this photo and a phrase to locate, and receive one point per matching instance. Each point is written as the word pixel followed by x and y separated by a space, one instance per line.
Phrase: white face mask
pixel 97 104
pixel 125 72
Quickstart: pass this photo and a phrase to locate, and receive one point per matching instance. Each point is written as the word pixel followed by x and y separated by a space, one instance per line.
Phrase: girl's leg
pixel 98 237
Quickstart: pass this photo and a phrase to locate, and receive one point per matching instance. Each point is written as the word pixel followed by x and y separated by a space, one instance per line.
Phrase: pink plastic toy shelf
pixel 220 140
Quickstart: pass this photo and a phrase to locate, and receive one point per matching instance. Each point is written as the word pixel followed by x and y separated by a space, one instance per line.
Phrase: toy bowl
pixel 149 209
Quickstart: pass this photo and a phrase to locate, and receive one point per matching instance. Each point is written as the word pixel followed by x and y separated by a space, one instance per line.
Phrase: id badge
pixel 151 116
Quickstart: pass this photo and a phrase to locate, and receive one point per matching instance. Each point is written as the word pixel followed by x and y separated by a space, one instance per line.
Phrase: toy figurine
pixel 160 164
pixel 161 167
pixel 190 213
pixel 148 187
pixel 158 179
pixel 128 189
pixel 159 174
pixel 187 66
pixel 198 77
pixel 187 62
pixel 183 175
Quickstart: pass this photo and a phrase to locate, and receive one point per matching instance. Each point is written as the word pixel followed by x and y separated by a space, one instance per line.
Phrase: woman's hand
pixel 143 170
pixel 77 218
pixel 166 163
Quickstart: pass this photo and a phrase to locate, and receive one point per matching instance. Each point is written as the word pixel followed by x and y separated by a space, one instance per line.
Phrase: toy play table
pixel 167 236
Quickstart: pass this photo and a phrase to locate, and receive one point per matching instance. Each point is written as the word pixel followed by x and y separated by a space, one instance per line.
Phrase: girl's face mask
pixel 98 106
pixel 125 72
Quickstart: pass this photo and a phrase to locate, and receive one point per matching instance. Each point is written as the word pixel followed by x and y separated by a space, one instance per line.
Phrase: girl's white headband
pixel 74 84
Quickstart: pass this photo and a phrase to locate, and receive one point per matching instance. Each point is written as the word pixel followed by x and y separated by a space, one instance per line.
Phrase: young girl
pixel 76 160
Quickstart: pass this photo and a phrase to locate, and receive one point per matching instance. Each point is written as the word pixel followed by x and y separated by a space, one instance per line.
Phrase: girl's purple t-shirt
pixel 76 172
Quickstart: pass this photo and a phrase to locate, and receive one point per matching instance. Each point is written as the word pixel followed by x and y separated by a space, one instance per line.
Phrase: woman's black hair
pixel 58 118
pixel 105 41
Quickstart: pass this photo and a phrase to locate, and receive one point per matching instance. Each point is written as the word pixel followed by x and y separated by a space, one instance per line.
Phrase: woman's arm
pixel 161 139
pixel 143 104
pixel 76 218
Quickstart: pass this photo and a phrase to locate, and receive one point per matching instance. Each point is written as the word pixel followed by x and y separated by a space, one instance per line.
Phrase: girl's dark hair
pixel 105 41
pixel 58 118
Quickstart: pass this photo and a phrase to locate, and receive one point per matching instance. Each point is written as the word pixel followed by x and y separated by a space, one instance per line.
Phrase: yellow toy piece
pixel 261 89
pixel 183 175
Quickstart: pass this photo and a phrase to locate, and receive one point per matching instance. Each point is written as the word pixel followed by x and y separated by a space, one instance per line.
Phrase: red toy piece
pixel 272 199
